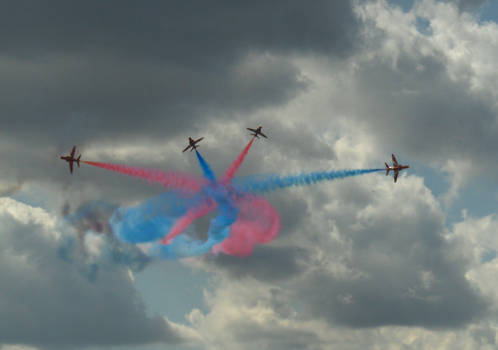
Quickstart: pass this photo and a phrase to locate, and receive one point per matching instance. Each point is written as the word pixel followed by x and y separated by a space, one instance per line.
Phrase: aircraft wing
pixel 71 167
pixel 395 162
pixel 263 135
pixel 396 173
pixel 251 129
pixel 186 148
pixel 72 152
pixel 199 140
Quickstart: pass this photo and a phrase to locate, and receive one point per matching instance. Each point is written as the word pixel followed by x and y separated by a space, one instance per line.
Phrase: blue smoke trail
pixel 184 246
pixel 219 229
pixel 208 172
pixel 152 219
pixel 271 182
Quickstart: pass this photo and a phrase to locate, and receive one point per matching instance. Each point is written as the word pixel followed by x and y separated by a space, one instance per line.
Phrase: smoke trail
pixel 271 182
pixel 168 179
pixel 257 223
pixel 208 173
pixel 230 172
pixel 193 213
pixel 173 212
pixel 219 229
pixel 242 221
pixel 185 221
pixel 152 219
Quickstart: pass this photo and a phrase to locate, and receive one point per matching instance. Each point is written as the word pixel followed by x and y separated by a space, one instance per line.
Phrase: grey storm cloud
pixel 374 267
pixel 181 32
pixel 93 71
pixel 247 332
pixel 108 72
pixel 50 302
pixel 265 264
pixel 77 99
pixel 392 266
pixel 402 269
pixel 97 69
pixel 418 111
pixel 469 5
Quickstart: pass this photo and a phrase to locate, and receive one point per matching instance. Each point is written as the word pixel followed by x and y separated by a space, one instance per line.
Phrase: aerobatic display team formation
pixel 242 217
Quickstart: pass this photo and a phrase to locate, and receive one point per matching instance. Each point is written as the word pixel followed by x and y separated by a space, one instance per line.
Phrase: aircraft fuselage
pixel 400 167
pixel 257 132
pixel 396 168
pixel 192 144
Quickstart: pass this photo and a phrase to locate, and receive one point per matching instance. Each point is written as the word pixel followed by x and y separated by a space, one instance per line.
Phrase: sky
pixel 360 263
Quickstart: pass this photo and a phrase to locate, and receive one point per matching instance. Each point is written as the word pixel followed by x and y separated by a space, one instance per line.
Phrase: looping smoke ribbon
pixel 242 218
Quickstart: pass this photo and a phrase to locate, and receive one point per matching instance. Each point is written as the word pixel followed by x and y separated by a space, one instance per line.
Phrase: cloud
pixel 398 267
pixel 459 172
pixel 265 264
pixel 179 32
pixel 469 5
pixel 9 188
pixel 146 76
pixel 17 347
pixel 474 238
pixel 360 263
pixel 370 254
pixel 158 69
pixel 246 314
pixel 51 302
pixel 378 278
pixel 430 96
pixel 367 254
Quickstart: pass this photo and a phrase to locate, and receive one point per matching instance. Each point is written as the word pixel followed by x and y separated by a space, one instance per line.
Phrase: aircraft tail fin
pixel 78 161
pixel 387 169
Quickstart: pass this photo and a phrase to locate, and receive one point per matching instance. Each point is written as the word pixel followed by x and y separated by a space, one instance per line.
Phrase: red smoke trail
pixel 195 213
pixel 230 172
pixel 168 179
pixel 187 219
pixel 257 223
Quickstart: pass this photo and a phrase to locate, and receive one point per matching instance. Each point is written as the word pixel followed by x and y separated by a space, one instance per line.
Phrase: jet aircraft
pixel 192 143
pixel 70 159
pixel 396 168
pixel 256 132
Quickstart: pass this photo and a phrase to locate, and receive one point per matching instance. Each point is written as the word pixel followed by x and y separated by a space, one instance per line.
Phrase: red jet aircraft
pixel 396 168
pixel 192 144
pixel 70 159
pixel 256 132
